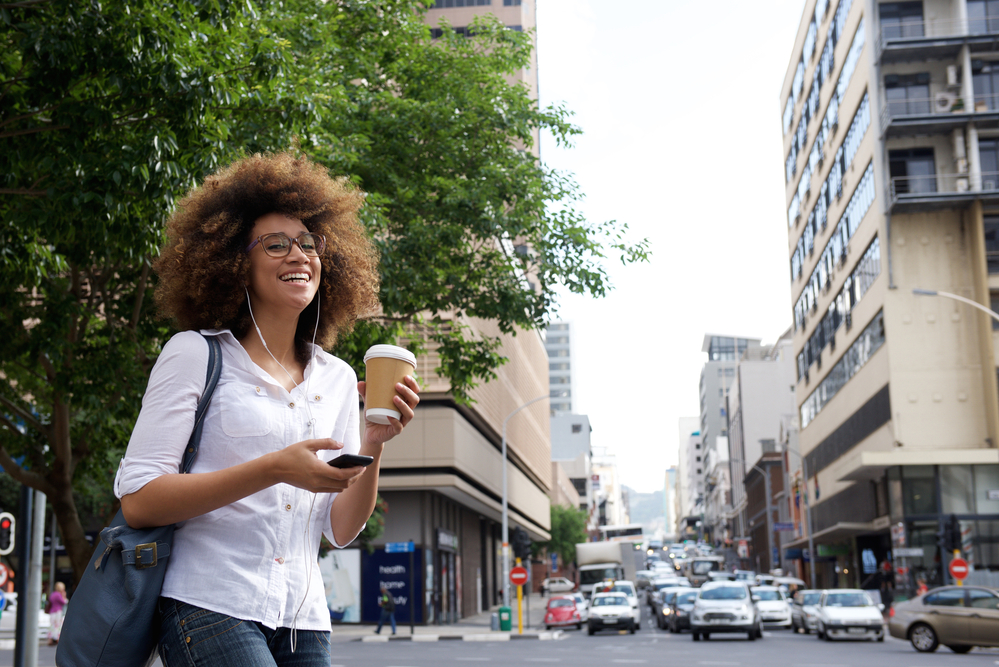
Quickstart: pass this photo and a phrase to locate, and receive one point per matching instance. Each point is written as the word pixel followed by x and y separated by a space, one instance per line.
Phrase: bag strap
pixel 212 379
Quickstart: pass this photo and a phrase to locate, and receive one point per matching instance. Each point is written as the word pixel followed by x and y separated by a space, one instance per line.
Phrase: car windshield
pixel 622 588
pixel 610 601
pixel 704 566
pixel 848 600
pixel 666 584
pixel 561 602
pixel 596 576
pixel 768 595
pixel 723 593
pixel 668 598
pixel 686 598
pixel 810 598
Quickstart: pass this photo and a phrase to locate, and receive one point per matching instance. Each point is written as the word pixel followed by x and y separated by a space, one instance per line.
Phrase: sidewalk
pixel 472 628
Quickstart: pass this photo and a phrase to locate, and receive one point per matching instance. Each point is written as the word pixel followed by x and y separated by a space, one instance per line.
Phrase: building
pixel 570 437
pixel 558 343
pixel 890 118
pixel 690 479
pixel 717 377
pixel 611 499
pixel 670 502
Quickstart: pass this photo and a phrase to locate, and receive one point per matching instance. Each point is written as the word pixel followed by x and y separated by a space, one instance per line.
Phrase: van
pixel 696 569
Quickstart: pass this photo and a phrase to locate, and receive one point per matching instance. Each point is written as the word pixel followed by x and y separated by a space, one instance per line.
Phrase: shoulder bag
pixel 112 620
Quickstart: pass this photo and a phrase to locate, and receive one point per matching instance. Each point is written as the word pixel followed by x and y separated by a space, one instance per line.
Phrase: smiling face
pixel 281 286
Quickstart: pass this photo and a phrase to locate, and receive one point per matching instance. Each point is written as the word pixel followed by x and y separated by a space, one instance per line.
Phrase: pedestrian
pixel 387 605
pixel 55 607
pixel 269 258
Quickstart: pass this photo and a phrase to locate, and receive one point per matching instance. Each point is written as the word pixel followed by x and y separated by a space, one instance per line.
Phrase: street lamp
pixel 766 482
pixel 947 295
pixel 506 518
pixel 808 510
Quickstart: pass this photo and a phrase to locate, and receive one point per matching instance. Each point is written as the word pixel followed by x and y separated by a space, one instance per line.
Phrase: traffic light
pixel 6 533
pixel 521 543
pixel 949 534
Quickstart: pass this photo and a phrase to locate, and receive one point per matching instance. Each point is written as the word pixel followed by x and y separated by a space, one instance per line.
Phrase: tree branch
pixel 31 479
pixel 33 130
pixel 28 418
pixel 23 3
pixel 140 294
pixel 27 192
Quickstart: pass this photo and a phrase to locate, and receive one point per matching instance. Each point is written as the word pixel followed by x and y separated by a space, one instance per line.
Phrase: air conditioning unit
pixel 988 185
pixel 943 101
pixel 961 185
pixel 952 80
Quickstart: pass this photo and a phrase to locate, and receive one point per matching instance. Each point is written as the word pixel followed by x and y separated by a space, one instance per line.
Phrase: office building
pixel 890 119
pixel 558 344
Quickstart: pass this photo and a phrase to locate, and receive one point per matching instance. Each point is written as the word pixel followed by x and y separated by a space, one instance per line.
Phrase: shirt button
pixel 318 397
pixel 280 561
pixel 287 507
pixel 257 389
pixel 291 405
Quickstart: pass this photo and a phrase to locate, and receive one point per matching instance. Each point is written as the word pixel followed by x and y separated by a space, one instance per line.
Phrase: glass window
pixel 983 16
pixel 957 488
pixel 983 599
pixel 951 597
pixel 901 20
pixel 994 305
pixel 986 480
pixel 986 541
pixel 919 490
pixel 988 149
pixel 985 78
pixel 913 171
pixel 992 242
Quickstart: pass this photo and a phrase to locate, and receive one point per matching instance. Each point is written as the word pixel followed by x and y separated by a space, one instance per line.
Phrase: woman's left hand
pixel 406 398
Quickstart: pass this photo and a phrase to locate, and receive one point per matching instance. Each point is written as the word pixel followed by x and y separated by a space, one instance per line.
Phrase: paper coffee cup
pixel 385 365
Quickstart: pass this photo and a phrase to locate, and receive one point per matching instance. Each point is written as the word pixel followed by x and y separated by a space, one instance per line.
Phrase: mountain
pixel 647 509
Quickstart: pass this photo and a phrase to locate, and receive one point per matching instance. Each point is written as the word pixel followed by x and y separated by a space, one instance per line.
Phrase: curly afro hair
pixel 203 266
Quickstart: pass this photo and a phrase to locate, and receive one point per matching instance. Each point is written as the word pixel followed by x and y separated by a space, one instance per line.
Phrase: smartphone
pixel 351 461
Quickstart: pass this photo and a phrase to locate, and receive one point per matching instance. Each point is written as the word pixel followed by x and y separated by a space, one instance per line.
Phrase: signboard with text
pixel 391 570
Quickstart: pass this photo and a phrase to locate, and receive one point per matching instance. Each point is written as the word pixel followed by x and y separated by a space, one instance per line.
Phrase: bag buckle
pixel 139 548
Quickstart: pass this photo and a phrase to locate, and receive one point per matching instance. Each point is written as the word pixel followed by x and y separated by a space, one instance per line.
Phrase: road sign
pixel 518 576
pixel 781 526
pixel 554 563
pixel 398 547
pixel 907 552
pixel 959 569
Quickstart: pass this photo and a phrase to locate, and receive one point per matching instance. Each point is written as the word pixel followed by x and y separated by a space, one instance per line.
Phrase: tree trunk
pixel 73 535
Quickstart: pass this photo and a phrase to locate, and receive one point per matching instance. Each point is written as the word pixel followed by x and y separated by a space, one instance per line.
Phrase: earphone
pixel 311 424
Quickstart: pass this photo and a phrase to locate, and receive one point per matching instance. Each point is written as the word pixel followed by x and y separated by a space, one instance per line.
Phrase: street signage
pixel 959 569
pixel 398 547
pixel 554 563
pixel 907 552
pixel 783 526
pixel 992 494
pixel 518 576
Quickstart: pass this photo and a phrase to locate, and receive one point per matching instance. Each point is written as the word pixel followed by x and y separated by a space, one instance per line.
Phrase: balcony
pixel 936 39
pixel 937 115
pixel 914 194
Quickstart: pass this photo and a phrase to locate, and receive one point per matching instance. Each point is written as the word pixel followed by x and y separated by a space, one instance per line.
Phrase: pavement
pixel 472 628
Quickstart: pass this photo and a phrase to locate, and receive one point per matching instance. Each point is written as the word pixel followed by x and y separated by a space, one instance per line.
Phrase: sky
pixel 679 106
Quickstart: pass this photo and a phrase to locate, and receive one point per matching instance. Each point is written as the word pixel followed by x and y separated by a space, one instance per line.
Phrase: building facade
pixel 891 139
pixel 558 343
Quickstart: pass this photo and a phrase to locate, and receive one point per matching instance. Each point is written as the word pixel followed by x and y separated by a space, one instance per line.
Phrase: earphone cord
pixel 312 431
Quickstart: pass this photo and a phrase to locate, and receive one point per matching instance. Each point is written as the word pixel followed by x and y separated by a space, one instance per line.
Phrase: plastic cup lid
pixel 391 351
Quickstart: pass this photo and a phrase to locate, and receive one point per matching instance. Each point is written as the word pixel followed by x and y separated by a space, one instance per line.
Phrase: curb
pixel 479 637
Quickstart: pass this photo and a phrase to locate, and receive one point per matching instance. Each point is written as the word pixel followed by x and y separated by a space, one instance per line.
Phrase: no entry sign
pixel 518 576
pixel 959 569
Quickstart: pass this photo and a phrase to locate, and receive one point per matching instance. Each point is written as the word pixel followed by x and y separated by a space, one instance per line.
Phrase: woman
pixel 57 612
pixel 267 256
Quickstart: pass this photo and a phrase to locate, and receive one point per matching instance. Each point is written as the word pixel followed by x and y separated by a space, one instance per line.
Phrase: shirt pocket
pixel 244 409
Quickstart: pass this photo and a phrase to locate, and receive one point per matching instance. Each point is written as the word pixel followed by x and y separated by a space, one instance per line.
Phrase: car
pixel 725 606
pixel 747 576
pixel 662 585
pixel 582 605
pixel 764 580
pixel 610 610
pixel 957 617
pixel 696 569
pixel 562 612
pixel 558 585
pixel 848 613
pixel 803 610
pixel 663 611
pixel 681 606
pixel 774 608
pixel 643 578
pixel 628 589
pixel 721 575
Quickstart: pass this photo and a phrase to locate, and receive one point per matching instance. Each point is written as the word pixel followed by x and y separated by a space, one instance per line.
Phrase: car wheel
pixel 696 636
pixel 881 637
pixel 759 631
pixel 752 635
pixel 590 631
pixel 818 631
pixel 959 649
pixel 805 628
pixel 707 636
pixel 923 638
pixel 631 628
pixel 579 626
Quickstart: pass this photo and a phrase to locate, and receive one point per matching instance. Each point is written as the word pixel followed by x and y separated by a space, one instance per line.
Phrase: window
pixel 908 94
pixel 558 380
pixel 698 471
pixel 913 171
pixel 994 304
pixel 992 242
pixel 798 82
pixel 983 16
pixel 511 3
pixel 558 367
pixel 982 599
pixel 559 353
pixel 850 62
pixel 788 114
pixel 901 20
pixel 988 150
pixel 826 63
pixel 809 47
pixel 577 428
pixel 698 459
pixel 952 597
pixel 558 340
pixel 858 128
pixel 440 4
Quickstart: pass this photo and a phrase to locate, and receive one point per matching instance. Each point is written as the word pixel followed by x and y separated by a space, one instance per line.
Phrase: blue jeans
pixel 194 637
pixel 386 616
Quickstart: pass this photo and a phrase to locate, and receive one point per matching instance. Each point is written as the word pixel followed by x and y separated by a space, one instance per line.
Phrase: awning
pixel 871 465
pixel 838 533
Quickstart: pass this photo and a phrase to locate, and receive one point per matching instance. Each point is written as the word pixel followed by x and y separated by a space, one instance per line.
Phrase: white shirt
pixel 255 559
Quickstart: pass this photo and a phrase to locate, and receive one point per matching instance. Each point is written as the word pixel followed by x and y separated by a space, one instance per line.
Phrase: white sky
pixel 679 105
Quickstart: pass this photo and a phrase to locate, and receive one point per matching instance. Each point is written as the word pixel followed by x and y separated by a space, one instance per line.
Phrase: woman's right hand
pixel 299 466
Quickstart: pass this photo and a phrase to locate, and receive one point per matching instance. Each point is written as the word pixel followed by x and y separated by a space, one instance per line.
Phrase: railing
pixel 920 28
pixel 915 186
pixel 941 103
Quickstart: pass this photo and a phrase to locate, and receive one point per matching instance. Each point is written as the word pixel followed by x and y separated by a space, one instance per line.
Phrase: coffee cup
pixel 385 365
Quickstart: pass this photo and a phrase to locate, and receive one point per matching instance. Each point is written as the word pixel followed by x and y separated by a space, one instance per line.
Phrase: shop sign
pixel 826 550
pixel 446 540
pixel 992 494
pixel 391 570
pixel 907 552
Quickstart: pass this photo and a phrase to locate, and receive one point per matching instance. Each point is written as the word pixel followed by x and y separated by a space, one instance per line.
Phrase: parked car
pixel 558 585
pixel 848 613
pixel 562 612
pixel 582 605
pixel 957 617
pixel 610 610
pixel 725 606
pixel 804 610
pixel 774 608
pixel 682 604
pixel 628 588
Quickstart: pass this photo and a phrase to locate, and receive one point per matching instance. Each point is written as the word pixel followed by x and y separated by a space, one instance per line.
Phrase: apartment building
pixel 690 478
pixel 558 344
pixel 890 121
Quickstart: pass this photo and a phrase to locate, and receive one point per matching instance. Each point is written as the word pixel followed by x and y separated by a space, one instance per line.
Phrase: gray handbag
pixel 112 620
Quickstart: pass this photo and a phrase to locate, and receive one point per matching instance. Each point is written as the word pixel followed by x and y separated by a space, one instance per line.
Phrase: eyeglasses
pixel 279 244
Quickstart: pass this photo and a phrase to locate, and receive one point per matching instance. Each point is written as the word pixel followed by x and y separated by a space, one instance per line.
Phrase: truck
pixel 602 561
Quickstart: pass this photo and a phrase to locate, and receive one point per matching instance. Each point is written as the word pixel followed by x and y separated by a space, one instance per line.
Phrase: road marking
pixel 542 659
pixel 706 662
pixel 474 659
pixel 630 662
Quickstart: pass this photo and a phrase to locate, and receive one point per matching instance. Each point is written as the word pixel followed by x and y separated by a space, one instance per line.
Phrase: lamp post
pixel 947 295
pixel 506 518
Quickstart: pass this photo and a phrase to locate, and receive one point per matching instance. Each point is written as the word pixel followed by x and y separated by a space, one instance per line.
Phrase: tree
pixel 568 529
pixel 110 111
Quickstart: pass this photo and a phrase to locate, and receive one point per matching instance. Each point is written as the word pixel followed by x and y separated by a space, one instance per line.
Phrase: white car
pixel 558 585
pixel 582 606
pixel 610 611
pixel 628 588
pixel 773 605
pixel 804 610
pixel 848 613
pixel 725 606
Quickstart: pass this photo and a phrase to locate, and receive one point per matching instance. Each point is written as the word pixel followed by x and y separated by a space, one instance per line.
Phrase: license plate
pixel 610 620
pixel 857 631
